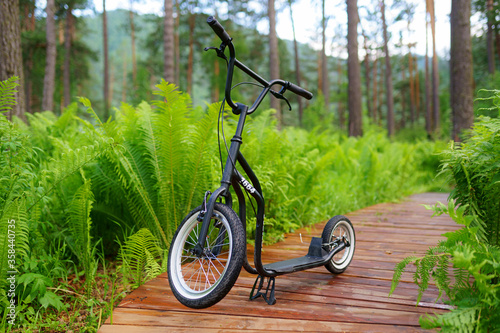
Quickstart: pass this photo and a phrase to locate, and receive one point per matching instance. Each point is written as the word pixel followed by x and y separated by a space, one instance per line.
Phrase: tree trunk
pixel 353 70
pixel 461 68
pixel 29 25
pixel 375 93
pixel 403 93
pixel 168 42
pixel 435 73
pixel 412 88
pixel 297 64
pixel 192 21
pixel 67 49
pixel 388 77
pixel 340 105
pixel 124 80
pixel 177 55
pixel 497 39
pixel 428 112
pixel 132 40
pixel 50 62
pixel 367 75
pixel 325 88
pixel 11 58
pixel 490 14
pixel 320 74
pixel 273 58
pixel 417 87
pixel 111 82
pixel 106 64
pixel 216 91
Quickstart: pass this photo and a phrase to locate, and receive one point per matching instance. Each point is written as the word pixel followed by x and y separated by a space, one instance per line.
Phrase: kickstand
pixel 268 296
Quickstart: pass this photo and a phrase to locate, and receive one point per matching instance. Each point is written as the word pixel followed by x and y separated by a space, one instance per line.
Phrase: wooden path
pixel 313 300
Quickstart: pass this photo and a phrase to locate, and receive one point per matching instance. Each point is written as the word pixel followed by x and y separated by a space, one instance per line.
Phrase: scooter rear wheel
pixel 202 281
pixel 337 227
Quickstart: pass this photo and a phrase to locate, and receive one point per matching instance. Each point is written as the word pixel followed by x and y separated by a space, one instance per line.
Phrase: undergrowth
pixel 96 203
pixel 466 266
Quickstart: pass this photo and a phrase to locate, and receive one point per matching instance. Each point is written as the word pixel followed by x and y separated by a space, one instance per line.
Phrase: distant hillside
pixel 119 46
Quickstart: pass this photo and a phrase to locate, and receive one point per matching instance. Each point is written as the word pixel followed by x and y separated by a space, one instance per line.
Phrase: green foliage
pixel 473 286
pixel 7 93
pixel 489 105
pixel 474 167
pixel 79 224
pixel 158 162
pixel 140 255
pixel 475 290
pixel 39 174
pixel 70 182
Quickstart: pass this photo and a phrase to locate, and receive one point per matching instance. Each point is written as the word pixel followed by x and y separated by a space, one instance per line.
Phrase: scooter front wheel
pixel 339 227
pixel 200 281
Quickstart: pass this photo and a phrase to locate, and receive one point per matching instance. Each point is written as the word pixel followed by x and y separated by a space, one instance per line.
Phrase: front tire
pixel 200 282
pixel 337 227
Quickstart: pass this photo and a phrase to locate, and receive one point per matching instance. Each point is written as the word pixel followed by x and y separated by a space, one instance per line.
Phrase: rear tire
pixel 336 227
pixel 200 282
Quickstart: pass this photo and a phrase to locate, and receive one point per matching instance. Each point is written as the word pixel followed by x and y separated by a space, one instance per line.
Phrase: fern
pixel 79 224
pixel 151 268
pixel 139 256
pixel 171 125
pixel 13 215
pixel 460 320
pixel 8 94
pixel 128 167
pixel 69 163
pixel 399 270
pixel 478 302
pixel 474 167
pixel 198 164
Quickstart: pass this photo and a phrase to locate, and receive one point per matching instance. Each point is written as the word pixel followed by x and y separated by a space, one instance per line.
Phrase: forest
pixel 109 125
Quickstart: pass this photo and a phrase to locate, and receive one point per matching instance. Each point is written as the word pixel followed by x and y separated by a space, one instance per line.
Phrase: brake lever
pixel 219 50
pixel 279 95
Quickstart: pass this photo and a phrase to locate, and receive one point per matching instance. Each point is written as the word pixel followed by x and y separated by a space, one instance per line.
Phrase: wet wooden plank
pixel 174 320
pixel 313 300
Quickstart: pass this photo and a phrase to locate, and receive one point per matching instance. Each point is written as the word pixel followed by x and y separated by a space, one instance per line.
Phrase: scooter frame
pixel 317 254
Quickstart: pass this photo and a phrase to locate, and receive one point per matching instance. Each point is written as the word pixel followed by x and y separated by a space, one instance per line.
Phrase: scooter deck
pixel 317 256
pixel 297 264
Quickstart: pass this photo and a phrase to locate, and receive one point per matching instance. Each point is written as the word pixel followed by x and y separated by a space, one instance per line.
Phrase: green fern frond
pixel 151 144
pixel 8 93
pixel 399 270
pixel 139 201
pixel 152 268
pixel 69 163
pixel 14 236
pixel 139 253
pixel 459 320
pixel 79 225
pixel 171 130
pixel 442 276
pixel 79 221
pixel 198 163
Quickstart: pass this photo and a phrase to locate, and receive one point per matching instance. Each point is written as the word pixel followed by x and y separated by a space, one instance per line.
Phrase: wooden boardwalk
pixel 313 300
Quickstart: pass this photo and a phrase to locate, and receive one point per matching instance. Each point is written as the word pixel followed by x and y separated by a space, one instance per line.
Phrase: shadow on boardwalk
pixel 312 300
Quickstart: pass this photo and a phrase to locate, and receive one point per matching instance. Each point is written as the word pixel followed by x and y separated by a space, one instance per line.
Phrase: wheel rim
pixel 196 277
pixel 343 258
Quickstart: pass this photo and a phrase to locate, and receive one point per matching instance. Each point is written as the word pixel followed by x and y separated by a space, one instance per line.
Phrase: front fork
pixel 205 216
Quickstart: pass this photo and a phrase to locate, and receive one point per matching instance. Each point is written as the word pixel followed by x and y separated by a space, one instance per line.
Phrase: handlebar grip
pixel 218 29
pixel 299 91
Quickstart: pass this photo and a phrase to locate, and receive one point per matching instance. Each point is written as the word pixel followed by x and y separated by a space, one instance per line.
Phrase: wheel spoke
pixel 196 271
pixel 211 271
pixel 206 277
pixel 190 264
pixel 211 264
